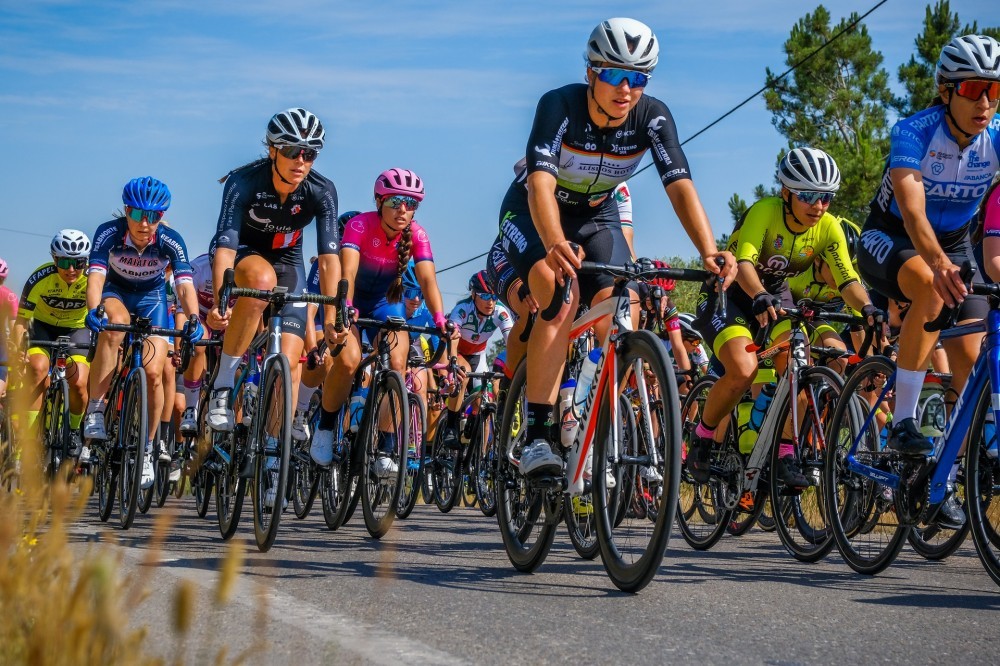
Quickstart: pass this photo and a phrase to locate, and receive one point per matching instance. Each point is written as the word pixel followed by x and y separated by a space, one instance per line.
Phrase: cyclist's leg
pixel 104 363
pixel 336 390
pixel 78 375
pixel 193 377
pixel 450 437
pixel 513 293
pixel 35 380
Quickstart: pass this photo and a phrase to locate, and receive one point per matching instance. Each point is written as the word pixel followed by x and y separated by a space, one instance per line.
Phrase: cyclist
pixel 201 274
pixel 421 348
pixel 477 317
pixel 940 165
pixel 777 238
pixel 377 249
pixel 585 140
pixel 8 311
pixel 127 277
pixel 265 206
pixel 692 341
pixel 54 304
pixel 660 315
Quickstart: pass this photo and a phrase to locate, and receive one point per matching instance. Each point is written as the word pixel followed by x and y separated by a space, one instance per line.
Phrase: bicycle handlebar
pixel 808 314
pixel 399 324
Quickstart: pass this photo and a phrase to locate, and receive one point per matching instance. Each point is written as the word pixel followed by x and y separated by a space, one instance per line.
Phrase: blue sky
pixel 95 93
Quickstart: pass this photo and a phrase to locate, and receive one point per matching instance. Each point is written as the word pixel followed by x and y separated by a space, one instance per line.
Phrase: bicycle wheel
pixel 146 494
pixel 445 473
pixel 701 515
pixel 272 441
pixel 230 487
pixel 524 512
pixel 485 469
pixel 808 537
pixel 860 512
pixel 132 440
pixel 8 453
pixel 204 480
pixel 414 458
pixel 386 440
pixel 55 418
pixel 337 484
pixel 632 550
pixel 578 513
pixel 305 480
pixel 106 479
pixel 982 487
pixel 162 483
pixel 765 520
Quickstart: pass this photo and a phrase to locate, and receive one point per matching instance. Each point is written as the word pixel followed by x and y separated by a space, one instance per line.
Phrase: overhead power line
pixel 731 111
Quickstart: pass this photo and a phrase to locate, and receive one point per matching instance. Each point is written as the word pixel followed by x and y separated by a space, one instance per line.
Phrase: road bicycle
pixel 54 417
pixel 529 510
pixel 877 496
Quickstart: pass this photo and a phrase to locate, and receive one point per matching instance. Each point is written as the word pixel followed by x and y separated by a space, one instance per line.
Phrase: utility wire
pixel 735 108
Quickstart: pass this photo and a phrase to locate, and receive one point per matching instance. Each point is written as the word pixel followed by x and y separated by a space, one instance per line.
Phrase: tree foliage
pixel 941 25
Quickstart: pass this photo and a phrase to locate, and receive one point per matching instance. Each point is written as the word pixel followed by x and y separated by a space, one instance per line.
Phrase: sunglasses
pixel 810 197
pixel 138 214
pixel 412 293
pixel 614 76
pixel 293 153
pixel 974 88
pixel 486 297
pixel 67 263
pixel 399 200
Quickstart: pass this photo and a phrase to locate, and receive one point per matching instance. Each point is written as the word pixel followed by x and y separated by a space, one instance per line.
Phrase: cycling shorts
pixel 501 274
pixel 49 333
pixel 151 304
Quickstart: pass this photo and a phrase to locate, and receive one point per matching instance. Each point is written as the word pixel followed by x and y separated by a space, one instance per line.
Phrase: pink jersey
pixel 379 262
pixel 8 304
pixel 991 213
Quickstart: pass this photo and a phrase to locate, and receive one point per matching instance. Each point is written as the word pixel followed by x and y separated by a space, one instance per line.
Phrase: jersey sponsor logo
pixel 925 122
pixel 422 236
pixel 296 209
pixel 779 242
pixel 64 303
pixel 622 133
pixel 807 251
pixel 776 265
pixel 937 154
pixel 955 190
pixel 656 123
pixel 261 220
pixel 877 243
pixel 545 150
pixel 674 172
pixel 975 162
pixel 937 168
pixel 512 234
pixel 596 200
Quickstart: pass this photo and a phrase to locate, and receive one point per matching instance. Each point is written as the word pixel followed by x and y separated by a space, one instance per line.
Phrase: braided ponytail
pixel 403 249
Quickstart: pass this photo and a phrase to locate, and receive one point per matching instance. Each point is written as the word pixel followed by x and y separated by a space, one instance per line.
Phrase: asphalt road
pixel 438 589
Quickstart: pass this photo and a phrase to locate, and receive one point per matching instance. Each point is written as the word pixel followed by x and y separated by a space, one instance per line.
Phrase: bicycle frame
pixel 947 447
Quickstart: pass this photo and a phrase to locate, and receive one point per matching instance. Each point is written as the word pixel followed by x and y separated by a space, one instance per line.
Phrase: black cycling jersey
pixel 253 216
pixel 589 162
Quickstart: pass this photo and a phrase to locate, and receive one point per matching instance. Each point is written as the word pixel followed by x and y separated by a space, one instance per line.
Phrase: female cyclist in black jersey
pixel 585 140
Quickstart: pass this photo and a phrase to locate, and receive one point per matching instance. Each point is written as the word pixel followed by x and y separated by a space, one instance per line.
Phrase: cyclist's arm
pixel 908 187
pixel 187 296
pixel 349 258
pixel 545 216
pixel 329 276
pixel 223 260
pixel 95 288
pixel 677 344
pixel 856 295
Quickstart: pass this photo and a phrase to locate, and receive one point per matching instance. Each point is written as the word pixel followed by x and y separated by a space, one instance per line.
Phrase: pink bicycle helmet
pixel 3 268
pixel 399 181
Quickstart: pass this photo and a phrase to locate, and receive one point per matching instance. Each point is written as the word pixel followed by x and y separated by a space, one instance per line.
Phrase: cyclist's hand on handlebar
pixel 872 314
pixel 335 338
pixel 766 307
pixel 564 258
pixel 948 283
pixel 193 330
pixel 94 321
pixel 216 321
pixel 722 264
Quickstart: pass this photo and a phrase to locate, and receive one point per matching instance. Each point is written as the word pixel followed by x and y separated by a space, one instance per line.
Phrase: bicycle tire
pixel 629 564
pixel 338 486
pixel 445 465
pixel 205 481
pixel 106 480
pixel 8 458
pixel 380 492
pixel 765 520
pixel 982 478
pixel 741 521
pixel 132 439
pixel 55 417
pixel 272 440
pixel 305 481
pixel 146 495
pixel 700 515
pixel 808 537
pixel 866 532
pixel 229 487
pixel 485 470
pixel 410 490
pixel 522 510
pixel 162 481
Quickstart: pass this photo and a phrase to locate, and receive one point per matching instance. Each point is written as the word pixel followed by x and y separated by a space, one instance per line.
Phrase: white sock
pixel 305 396
pixel 191 396
pixel 908 385
pixel 227 371
pixel 95 406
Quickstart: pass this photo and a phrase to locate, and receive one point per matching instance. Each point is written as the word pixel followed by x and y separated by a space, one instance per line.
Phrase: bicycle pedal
pixel 546 482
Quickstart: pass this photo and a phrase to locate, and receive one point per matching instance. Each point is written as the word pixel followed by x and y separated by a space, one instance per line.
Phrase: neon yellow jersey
pixel 763 239
pixel 47 298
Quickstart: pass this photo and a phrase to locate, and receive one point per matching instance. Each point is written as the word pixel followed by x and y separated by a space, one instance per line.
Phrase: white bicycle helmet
pixel 809 169
pixel 969 57
pixel 295 127
pixel 71 244
pixel 624 42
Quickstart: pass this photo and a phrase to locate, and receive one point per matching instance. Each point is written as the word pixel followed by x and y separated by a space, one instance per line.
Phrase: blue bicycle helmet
pixel 410 277
pixel 146 193
pixel 480 283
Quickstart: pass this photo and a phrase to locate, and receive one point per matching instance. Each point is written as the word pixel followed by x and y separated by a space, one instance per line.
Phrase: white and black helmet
pixel 809 169
pixel 71 244
pixel 624 42
pixel 969 57
pixel 295 127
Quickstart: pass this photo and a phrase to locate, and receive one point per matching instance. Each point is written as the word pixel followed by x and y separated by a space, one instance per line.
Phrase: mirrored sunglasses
pixel 413 293
pixel 138 214
pixel 486 297
pixel 294 152
pixel 615 75
pixel 67 263
pixel 399 200
pixel 810 197
pixel 975 88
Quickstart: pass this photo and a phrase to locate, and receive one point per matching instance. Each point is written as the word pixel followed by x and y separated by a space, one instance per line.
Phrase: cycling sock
pixel 704 431
pixel 305 396
pixel 539 421
pixel 95 406
pixel 327 420
pixel 192 392
pixel 786 450
pixel 74 420
pixel 453 417
pixel 32 417
pixel 908 386
pixel 227 371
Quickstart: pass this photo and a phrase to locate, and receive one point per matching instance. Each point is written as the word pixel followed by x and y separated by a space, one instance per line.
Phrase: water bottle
pixel 747 435
pixel 931 411
pixel 760 406
pixel 568 422
pixel 585 381
pixel 356 407
pixel 250 388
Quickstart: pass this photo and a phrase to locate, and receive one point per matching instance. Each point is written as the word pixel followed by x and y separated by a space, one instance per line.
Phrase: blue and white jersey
pixel 131 269
pixel 955 180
